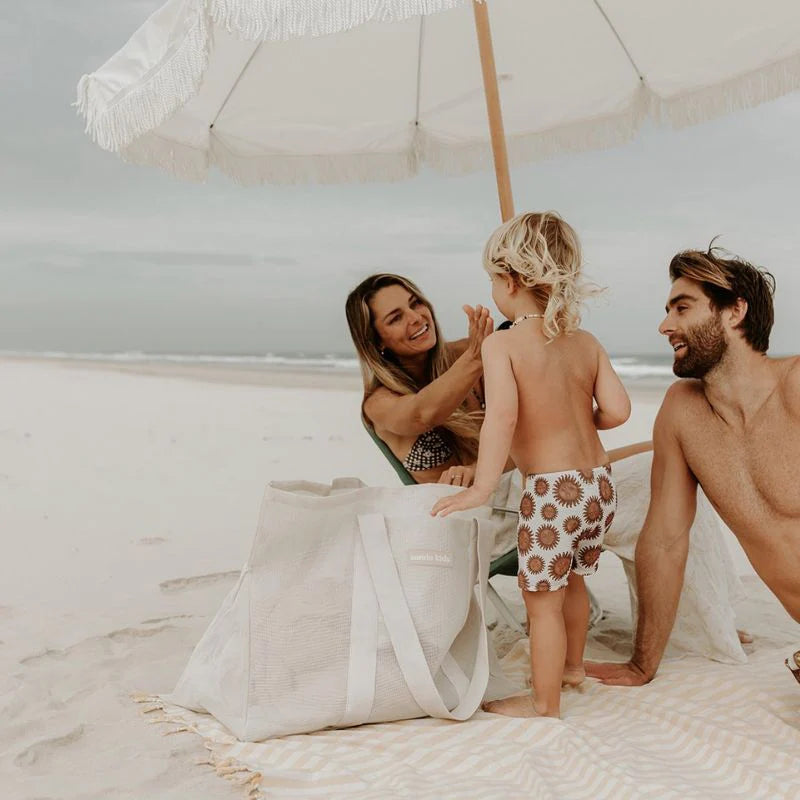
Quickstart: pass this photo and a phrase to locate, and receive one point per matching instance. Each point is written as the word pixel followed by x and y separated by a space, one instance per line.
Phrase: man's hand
pixel 627 674
pixel 469 498
pixel 458 476
pixel 481 325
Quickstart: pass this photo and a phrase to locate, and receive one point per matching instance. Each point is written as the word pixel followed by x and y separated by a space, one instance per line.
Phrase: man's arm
pixel 660 551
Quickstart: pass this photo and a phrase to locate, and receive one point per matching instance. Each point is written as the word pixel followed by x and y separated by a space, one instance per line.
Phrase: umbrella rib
pixel 419 66
pixel 233 87
pixel 619 39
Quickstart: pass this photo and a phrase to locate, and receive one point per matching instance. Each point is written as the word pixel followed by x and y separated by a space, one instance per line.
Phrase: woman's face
pixel 402 321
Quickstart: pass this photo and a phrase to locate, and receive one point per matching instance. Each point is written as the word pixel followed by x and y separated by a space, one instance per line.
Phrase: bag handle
pixel 362 663
pixel 400 625
pixel 337 484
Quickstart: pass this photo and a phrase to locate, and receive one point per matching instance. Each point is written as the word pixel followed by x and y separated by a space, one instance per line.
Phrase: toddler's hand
pixel 469 498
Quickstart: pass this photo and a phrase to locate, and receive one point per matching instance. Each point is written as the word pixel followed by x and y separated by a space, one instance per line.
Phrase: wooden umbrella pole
pixel 496 132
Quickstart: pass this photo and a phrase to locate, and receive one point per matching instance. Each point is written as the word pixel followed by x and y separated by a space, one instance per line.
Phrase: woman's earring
pixel 382 351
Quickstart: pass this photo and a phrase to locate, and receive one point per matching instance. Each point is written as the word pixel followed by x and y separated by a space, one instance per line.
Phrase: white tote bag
pixel 355 606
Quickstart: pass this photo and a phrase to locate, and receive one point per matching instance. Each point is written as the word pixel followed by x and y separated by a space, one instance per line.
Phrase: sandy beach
pixel 128 500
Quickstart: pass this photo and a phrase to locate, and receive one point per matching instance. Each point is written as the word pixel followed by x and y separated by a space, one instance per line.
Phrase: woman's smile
pixel 420 332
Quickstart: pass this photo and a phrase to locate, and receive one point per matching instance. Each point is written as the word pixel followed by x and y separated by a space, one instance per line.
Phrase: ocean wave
pixel 634 368
pixel 295 361
pixel 627 367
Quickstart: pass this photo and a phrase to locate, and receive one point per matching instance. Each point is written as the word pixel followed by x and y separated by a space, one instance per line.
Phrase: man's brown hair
pixel 724 280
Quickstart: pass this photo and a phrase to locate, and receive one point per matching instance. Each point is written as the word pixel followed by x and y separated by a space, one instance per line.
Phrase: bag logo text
pixel 430 558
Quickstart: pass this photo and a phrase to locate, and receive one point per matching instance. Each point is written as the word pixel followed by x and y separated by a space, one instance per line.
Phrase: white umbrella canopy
pixel 357 97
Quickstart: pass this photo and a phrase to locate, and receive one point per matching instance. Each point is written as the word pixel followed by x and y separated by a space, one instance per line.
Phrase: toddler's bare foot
pixel 573 676
pixel 520 705
pixel 745 637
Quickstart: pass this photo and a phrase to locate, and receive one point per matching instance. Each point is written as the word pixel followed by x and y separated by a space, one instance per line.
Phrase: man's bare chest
pixel 752 475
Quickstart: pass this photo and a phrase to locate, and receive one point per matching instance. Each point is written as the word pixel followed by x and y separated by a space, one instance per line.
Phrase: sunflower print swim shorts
pixel 563 517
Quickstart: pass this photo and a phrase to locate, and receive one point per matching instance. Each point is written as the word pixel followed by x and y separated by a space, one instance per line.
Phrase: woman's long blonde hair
pixel 379 369
pixel 542 253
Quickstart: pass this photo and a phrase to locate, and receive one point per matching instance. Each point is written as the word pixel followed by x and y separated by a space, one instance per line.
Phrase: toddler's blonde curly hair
pixel 542 253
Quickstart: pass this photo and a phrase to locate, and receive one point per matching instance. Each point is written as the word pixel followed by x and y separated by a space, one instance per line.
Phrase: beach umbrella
pixel 287 91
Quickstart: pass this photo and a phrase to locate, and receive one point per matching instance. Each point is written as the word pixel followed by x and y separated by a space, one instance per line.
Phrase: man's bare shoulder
pixel 681 399
pixel 792 384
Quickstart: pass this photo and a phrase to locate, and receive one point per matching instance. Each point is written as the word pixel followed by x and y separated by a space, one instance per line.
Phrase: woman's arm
pixel 410 415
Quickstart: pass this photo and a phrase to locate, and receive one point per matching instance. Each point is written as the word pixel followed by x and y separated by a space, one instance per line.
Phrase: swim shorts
pixel 563 517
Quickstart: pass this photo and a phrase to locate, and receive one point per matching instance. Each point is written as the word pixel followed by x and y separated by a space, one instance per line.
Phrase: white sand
pixel 128 503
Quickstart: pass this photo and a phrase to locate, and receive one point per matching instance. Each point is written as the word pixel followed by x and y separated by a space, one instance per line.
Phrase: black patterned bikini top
pixel 430 450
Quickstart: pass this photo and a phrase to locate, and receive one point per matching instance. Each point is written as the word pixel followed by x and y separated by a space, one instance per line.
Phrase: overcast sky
pixel 98 255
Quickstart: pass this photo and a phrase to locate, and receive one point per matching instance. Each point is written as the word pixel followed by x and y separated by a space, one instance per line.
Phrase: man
pixel 733 427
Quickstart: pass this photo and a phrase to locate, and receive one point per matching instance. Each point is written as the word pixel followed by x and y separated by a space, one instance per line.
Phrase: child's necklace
pixel 526 316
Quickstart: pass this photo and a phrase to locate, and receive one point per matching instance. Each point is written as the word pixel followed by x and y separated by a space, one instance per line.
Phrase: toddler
pixel 550 387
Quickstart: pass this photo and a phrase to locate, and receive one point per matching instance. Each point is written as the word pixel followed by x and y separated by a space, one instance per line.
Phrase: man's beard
pixel 705 348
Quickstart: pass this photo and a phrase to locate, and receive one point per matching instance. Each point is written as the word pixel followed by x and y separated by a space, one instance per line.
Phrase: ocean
pixel 650 368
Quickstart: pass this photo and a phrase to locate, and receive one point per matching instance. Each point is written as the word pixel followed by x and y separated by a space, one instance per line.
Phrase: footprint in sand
pixel 156 620
pixel 197 581
pixel 152 540
pixel 46 749
pixel 121 635
pixel 131 634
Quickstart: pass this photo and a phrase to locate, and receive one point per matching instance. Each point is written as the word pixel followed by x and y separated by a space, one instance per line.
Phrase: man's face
pixel 694 329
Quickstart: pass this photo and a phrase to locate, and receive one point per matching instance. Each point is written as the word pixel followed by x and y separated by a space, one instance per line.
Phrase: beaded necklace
pixel 526 316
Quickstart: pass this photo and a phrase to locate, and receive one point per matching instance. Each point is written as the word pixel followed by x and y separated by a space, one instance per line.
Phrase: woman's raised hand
pixel 481 325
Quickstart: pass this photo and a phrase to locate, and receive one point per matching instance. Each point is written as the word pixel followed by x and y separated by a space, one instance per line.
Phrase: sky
pixel 101 256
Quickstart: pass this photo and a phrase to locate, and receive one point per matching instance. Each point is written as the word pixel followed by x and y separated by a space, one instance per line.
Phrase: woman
pixel 423 396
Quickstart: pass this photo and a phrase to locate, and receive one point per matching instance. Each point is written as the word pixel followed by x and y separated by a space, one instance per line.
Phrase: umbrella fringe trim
pixel 188 163
pixel 741 92
pixel 165 88
pixel 593 134
pixel 318 169
pixel 272 20
pixel 180 160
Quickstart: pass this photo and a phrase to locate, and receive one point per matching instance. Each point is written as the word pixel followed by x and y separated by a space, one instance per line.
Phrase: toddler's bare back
pixel 556 387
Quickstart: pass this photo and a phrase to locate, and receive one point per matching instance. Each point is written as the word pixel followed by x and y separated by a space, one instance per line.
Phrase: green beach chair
pixel 505 564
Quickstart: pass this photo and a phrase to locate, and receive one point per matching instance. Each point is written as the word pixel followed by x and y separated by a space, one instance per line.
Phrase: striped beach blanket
pixel 699 730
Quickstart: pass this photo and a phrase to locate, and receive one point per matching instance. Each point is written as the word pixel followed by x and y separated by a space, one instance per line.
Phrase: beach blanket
pixel 699 730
